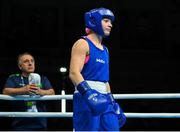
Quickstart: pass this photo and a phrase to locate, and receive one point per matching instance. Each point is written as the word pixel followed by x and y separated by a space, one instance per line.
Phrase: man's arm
pixel 28 89
pixel 45 92
pixel 16 91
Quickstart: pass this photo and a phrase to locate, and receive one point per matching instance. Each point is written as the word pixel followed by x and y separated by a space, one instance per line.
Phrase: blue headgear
pixel 94 17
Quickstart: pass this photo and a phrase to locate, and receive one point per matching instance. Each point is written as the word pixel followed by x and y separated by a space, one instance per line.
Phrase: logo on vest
pixel 100 61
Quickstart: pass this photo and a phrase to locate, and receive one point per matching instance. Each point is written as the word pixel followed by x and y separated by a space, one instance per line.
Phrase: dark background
pixel 144 48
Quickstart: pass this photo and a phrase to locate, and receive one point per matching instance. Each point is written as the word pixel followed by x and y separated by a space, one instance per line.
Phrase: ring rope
pixel 70 97
pixel 70 114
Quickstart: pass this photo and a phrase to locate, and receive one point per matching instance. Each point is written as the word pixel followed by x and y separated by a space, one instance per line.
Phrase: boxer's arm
pixel 108 87
pixel 78 54
pixel 96 101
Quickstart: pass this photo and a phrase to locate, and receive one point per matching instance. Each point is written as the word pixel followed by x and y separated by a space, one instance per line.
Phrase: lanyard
pixel 22 81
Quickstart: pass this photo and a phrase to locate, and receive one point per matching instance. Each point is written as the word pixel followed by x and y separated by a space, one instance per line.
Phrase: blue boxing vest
pixel 97 67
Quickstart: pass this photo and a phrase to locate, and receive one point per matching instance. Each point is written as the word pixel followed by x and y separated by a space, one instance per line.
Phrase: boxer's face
pixel 27 64
pixel 106 26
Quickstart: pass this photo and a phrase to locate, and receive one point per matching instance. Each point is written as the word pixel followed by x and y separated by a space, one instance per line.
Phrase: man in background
pixel 19 84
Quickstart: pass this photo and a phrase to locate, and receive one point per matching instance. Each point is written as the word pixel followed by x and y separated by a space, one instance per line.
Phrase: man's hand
pixel 32 89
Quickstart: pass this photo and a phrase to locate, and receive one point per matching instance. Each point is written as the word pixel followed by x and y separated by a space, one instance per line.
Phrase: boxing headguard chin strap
pixel 94 17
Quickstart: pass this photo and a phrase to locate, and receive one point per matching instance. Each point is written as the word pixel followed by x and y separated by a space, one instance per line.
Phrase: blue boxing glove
pixel 119 112
pixel 96 101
